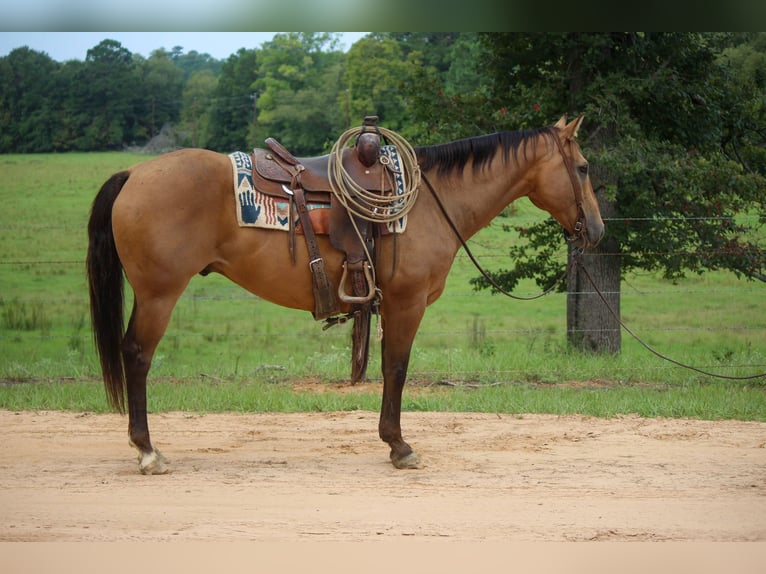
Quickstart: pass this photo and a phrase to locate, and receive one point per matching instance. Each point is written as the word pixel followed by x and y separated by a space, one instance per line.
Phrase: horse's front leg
pixel 399 330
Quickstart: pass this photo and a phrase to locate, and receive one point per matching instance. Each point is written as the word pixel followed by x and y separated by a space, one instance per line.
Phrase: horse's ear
pixel 569 130
pixel 561 124
pixel 577 123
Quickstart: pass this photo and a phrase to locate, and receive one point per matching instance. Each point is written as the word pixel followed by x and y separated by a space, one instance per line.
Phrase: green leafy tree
pixel 26 86
pixel 232 106
pixel 110 100
pixel 195 111
pixel 464 76
pixel 380 80
pixel 297 89
pixel 744 137
pixel 192 62
pixel 71 113
pixel 674 133
pixel 435 49
pixel 108 84
pixel 159 100
pixel 658 109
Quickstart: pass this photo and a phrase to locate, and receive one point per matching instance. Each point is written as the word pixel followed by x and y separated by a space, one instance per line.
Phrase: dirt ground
pixel 326 476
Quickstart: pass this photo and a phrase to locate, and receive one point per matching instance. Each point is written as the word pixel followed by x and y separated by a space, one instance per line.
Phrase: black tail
pixel 105 283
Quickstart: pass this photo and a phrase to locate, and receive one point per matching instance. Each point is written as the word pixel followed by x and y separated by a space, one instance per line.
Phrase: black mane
pixel 454 155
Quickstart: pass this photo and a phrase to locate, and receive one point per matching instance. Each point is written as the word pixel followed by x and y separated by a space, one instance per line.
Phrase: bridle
pixel 579 227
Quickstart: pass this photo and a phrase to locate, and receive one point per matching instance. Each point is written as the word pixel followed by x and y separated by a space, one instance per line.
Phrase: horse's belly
pixel 265 268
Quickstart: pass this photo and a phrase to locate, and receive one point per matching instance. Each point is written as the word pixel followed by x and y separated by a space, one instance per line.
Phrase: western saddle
pixel 299 181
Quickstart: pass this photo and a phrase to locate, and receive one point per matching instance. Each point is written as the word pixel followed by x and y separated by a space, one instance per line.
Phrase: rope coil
pixel 372 206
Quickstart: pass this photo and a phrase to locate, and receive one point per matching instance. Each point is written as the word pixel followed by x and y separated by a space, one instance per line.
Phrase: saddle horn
pixel 368 142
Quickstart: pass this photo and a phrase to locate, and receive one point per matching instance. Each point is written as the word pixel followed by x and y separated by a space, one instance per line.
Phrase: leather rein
pixel 579 228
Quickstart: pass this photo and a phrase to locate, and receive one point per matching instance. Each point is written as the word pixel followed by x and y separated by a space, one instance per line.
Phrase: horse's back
pixel 182 171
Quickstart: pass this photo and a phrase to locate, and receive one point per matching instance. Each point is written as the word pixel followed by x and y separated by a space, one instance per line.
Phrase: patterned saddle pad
pixel 256 209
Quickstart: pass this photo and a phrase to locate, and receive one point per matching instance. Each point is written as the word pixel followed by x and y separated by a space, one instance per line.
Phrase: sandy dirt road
pixel 326 476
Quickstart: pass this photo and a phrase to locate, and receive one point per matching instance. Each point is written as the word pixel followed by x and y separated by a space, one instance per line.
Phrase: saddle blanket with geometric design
pixel 256 209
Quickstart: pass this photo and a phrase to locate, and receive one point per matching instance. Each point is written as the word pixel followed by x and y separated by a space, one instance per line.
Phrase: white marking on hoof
pixel 152 463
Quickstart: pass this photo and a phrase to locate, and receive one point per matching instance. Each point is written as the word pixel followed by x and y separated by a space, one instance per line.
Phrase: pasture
pixel 269 442
pixel 228 350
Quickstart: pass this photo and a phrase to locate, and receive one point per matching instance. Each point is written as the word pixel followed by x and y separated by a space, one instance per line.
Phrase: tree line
pixel 298 87
pixel 675 125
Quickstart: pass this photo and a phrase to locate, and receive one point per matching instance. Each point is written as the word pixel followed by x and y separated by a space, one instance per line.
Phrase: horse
pixel 162 221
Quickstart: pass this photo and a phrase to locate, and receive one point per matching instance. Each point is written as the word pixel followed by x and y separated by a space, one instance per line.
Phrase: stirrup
pixel 346 298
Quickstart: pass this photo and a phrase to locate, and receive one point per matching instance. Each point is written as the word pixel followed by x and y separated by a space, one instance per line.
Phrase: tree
pixel 109 83
pixel 379 81
pixel 463 76
pixel 69 107
pixel 26 86
pixel 195 109
pixel 110 100
pixel 744 137
pixel 659 116
pixel 674 134
pixel 297 89
pixel 435 49
pixel 193 62
pixel 159 100
pixel 231 110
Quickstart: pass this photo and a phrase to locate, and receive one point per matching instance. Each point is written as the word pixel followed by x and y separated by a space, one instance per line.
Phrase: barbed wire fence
pixel 751 329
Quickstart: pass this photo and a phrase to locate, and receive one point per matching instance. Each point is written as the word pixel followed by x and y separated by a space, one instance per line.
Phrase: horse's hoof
pixel 410 461
pixel 152 463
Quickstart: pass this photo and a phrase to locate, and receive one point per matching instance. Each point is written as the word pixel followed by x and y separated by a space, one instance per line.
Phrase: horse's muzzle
pixel 595 233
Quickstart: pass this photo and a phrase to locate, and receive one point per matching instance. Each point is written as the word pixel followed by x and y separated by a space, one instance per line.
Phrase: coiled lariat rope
pixel 375 206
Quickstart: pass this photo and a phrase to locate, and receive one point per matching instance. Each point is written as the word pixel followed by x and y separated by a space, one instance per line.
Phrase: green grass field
pixel 477 350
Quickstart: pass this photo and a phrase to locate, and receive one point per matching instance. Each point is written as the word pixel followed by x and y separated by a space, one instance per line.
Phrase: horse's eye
pixel 583 169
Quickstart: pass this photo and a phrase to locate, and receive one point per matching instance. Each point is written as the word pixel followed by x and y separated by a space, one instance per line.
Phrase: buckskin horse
pixel 167 219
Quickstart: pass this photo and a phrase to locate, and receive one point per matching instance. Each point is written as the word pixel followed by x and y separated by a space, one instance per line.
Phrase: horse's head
pixel 564 190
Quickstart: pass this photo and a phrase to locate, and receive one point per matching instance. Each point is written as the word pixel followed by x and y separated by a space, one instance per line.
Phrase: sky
pixel 63 46
pixel 217 15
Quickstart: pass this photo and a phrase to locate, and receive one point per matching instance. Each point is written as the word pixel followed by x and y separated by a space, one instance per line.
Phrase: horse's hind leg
pixel 147 325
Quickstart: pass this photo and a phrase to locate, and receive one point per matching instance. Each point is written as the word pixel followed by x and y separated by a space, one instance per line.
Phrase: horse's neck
pixel 474 199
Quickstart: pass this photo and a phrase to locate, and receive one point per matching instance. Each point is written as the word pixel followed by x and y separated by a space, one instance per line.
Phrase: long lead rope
pixel 575 262
pixel 578 263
